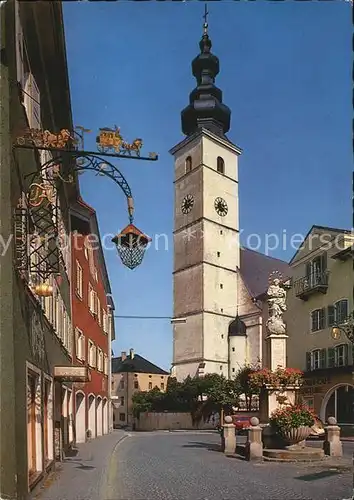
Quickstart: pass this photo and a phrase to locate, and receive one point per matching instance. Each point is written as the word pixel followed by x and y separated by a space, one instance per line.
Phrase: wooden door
pixel 45 420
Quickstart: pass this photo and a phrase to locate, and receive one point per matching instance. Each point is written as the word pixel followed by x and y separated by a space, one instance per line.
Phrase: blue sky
pixel 285 74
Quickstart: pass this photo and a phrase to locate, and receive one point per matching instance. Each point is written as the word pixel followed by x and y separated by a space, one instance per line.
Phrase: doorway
pixel 80 417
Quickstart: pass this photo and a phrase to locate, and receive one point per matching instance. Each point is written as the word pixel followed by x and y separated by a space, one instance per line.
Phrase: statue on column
pixel 277 304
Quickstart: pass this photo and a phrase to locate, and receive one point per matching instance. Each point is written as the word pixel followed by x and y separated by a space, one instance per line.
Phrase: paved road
pixel 185 466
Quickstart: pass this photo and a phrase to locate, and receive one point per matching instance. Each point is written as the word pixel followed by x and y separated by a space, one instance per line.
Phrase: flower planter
pixel 293 437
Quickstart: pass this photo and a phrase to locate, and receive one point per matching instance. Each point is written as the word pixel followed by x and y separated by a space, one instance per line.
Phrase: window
pixel 136 384
pixel 337 313
pixel 122 417
pixel 104 321
pixel 121 385
pixel 90 298
pixel 316 268
pixel 86 249
pixel 78 288
pixel 309 403
pixel 220 231
pixel 220 165
pixel 105 363
pixel 341 355
pixel 218 254
pixel 316 359
pixel 233 349
pixel 233 369
pixel 317 320
pixel 150 385
pixel 222 335
pixel 121 400
pixel 222 310
pixel 92 354
pixel 80 344
pixel 221 286
pixel 98 310
pixel 220 367
pixel 162 386
pixel 188 164
pixel 99 360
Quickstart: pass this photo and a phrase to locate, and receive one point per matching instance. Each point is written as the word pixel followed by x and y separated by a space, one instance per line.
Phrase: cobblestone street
pixel 187 466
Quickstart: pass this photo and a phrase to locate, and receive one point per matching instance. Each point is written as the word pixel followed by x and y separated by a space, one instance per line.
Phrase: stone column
pixel 332 444
pixel 276 350
pixel 254 444
pixel 229 437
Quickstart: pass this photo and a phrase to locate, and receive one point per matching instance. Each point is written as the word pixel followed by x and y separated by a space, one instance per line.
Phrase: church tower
pixel 206 227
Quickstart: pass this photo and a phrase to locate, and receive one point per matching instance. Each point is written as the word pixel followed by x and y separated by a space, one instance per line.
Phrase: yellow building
pixel 132 373
pixel 322 296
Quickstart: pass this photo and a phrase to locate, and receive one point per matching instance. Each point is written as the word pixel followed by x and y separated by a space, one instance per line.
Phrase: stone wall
pixel 171 421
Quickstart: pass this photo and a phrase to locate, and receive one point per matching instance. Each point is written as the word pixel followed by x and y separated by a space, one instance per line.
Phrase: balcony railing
pixel 314 283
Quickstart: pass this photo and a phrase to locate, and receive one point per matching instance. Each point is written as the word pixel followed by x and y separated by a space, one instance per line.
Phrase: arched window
pixel 220 165
pixel 188 164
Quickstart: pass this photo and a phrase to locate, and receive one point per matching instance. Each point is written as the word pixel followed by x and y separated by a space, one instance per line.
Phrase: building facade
pixel 35 330
pixel 132 373
pixel 92 313
pixel 321 297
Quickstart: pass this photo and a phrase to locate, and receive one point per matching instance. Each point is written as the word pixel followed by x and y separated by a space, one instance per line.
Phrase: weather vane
pixel 205 17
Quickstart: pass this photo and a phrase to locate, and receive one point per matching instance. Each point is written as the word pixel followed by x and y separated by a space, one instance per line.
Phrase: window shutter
pixel 19 46
pixel 308 269
pixel 322 319
pixel 324 261
pixel 308 361
pixel 346 361
pixel 323 356
pixel 342 312
pixel 313 321
pixel 331 315
pixel 331 357
pixel 31 102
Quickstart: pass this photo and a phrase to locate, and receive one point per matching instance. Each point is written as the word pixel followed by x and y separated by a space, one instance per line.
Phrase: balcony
pixel 310 285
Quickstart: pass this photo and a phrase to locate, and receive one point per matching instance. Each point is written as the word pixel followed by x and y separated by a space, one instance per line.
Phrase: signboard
pixel 72 373
pixel 315 385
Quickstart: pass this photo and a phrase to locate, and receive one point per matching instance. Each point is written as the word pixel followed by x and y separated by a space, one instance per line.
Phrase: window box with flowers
pixel 291 378
pixel 293 423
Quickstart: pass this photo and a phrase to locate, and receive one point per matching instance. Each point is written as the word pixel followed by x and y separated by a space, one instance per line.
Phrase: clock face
pixel 187 204
pixel 221 207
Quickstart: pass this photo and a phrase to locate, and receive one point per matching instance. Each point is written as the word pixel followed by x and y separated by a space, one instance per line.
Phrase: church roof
pixel 255 268
pixel 137 364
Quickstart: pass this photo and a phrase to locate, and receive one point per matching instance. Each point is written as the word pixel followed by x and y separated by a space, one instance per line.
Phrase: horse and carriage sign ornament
pixel 131 243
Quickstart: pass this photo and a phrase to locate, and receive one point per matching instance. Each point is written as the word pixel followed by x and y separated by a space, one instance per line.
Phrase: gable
pixel 319 237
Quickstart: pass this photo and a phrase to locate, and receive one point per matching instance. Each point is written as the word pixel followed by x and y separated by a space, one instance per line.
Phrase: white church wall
pixel 188 291
pixel 212 148
pixel 215 338
pixel 188 251
pixel 220 290
pixel 187 341
pixel 220 245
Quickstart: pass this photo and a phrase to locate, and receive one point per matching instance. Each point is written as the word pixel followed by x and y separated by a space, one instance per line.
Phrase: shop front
pixel 330 393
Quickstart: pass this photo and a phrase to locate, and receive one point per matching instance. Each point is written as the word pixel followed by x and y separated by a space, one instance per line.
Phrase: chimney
pixel 124 355
pixel 131 352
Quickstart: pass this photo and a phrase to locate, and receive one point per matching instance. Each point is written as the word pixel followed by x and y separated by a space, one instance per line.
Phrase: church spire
pixel 206 109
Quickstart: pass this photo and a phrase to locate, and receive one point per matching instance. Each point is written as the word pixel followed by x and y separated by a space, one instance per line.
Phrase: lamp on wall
pixel 347 327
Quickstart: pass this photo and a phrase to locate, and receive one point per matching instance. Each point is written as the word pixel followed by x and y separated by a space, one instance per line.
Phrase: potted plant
pixel 293 423
pixel 281 377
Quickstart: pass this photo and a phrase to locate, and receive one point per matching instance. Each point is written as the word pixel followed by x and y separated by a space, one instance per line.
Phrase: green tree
pixel 242 384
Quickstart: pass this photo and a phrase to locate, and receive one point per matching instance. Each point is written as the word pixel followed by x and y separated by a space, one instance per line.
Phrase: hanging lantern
pixel 43 290
pixel 131 244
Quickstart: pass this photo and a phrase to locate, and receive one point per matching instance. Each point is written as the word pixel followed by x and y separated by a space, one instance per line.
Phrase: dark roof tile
pixel 136 364
pixel 255 268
